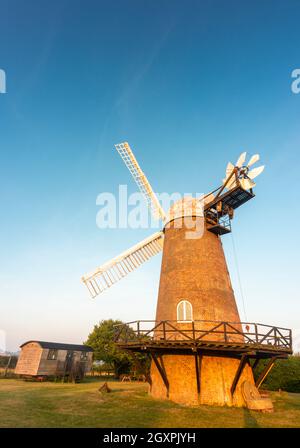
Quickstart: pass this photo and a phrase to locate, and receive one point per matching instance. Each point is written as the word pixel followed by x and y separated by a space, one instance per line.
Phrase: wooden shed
pixel 53 359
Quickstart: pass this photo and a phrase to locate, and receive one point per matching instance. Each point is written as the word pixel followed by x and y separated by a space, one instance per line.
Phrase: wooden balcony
pixel 213 337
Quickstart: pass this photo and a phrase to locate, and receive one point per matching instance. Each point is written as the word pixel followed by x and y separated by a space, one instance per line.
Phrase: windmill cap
pixel 186 207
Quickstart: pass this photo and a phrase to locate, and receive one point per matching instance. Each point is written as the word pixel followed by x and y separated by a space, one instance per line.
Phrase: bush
pixel 12 361
pixel 101 339
pixel 285 375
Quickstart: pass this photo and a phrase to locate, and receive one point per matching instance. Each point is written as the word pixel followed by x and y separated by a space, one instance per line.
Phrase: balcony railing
pixel 204 331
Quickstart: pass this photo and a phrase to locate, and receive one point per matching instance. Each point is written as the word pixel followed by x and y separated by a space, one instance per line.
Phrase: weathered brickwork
pixel 196 270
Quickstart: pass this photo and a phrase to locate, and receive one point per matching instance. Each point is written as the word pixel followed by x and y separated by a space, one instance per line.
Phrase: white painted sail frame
pixel 141 180
pixel 114 270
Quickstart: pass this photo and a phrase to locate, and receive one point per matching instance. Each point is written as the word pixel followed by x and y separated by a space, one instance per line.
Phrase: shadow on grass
pixel 119 387
pixel 249 419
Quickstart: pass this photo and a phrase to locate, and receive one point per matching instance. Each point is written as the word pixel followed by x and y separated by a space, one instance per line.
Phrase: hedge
pixel 285 374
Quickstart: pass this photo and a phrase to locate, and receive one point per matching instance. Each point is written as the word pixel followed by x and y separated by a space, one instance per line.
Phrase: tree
pixel 8 360
pixel 101 339
pixel 285 374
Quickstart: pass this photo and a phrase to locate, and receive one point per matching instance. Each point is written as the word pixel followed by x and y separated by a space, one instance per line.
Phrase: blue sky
pixel 190 85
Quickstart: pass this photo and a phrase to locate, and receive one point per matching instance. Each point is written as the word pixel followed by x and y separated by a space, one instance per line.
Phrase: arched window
pixel 184 311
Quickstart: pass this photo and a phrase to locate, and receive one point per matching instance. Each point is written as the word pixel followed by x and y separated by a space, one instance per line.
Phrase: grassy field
pixel 31 404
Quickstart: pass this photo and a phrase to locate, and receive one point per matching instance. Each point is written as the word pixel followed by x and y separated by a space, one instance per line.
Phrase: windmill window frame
pixel 184 303
pixel 84 356
pixel 52 354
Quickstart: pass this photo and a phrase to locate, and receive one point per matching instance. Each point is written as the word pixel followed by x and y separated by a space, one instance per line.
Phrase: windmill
pixel 201 351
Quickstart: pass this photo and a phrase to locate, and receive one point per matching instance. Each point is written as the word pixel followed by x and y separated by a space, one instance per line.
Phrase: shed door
pixel 69 361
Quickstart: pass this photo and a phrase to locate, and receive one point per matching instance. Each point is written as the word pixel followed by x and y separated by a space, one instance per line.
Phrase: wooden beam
pixel 234 172
pixel 213 347
pixel 149 379
pixel 161 368
pixel 239 371
pixel 265 372
pixel 255 363
pixel 7 365
pixel 198 363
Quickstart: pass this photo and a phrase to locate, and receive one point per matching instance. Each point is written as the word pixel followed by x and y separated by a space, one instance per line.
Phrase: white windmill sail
pixel 256 171
pixel 253 160
pixel 141 180
pixel 244 175
pixel 232 182
pixel 114 270
pixel 241 160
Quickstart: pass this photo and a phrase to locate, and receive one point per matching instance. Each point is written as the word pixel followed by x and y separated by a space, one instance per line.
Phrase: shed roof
pixel 60 346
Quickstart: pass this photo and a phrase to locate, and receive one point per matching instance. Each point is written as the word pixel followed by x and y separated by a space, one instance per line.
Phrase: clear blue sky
pixel 190 85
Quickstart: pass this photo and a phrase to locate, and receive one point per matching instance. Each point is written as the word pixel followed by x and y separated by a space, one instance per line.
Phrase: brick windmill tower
pixel 201 351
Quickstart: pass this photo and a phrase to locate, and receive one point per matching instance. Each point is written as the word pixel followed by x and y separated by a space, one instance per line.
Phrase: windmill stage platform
pixel 217 211
pixel 241 340
pixel 236 337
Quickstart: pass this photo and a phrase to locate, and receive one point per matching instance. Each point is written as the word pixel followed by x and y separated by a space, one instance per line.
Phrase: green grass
pixel 31 404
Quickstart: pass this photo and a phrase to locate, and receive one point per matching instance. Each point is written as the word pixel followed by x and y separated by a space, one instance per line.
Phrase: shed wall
pixel 33 361
pixel 57 367
pixel 52 366
pixel 29 359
